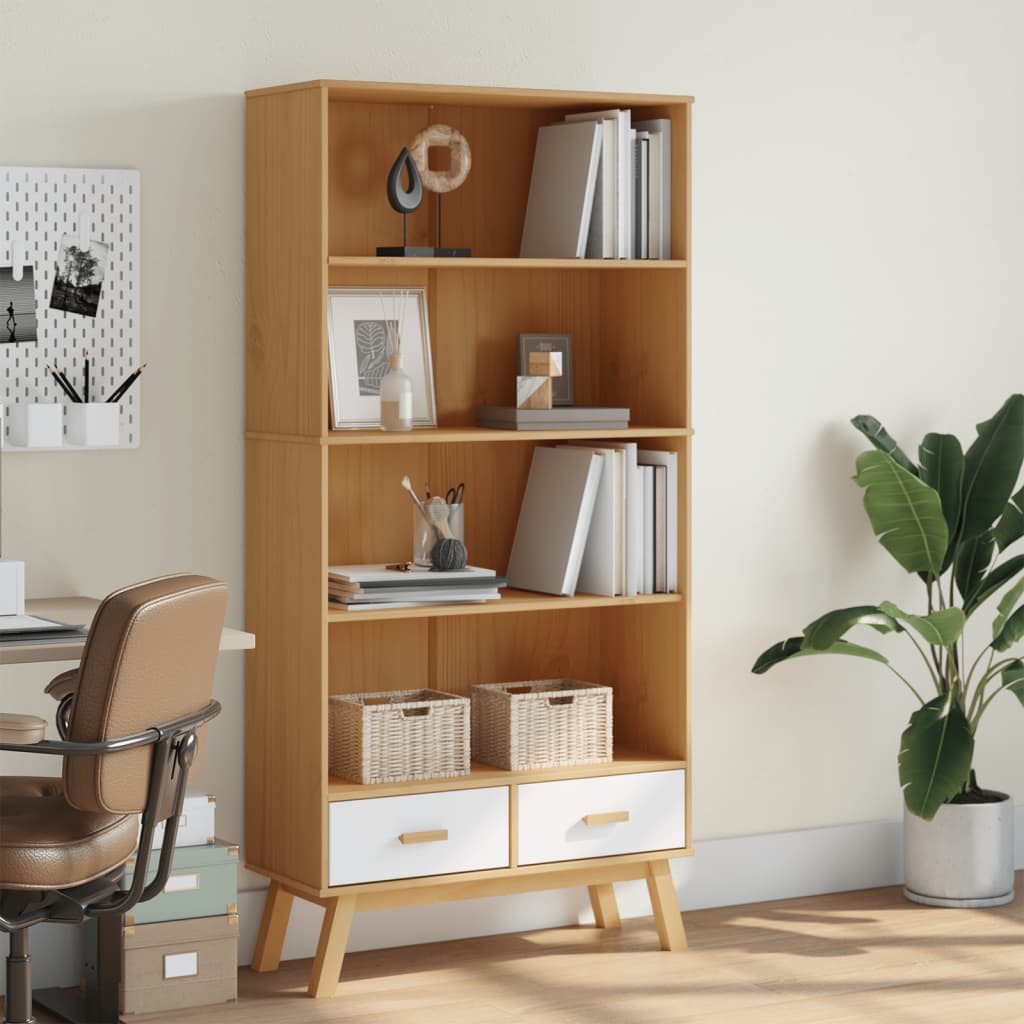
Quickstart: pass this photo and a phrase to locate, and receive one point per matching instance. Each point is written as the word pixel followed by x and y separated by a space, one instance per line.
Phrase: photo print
pixel 79 277
pixel 18 307
pixel 371 341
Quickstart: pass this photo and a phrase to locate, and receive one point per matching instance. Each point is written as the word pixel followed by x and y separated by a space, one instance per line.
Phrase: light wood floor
pixel 860 956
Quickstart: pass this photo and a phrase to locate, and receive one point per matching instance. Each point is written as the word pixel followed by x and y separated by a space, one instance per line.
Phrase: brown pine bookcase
pixel 317 154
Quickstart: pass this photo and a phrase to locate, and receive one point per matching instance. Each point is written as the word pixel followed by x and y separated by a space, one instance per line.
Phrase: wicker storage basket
pixel 546 723
pixel 398 736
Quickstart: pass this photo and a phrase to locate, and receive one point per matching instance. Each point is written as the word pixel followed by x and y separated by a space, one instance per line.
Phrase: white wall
pixel 858 219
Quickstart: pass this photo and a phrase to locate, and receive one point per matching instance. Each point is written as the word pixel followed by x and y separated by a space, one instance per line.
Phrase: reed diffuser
pixel 396 384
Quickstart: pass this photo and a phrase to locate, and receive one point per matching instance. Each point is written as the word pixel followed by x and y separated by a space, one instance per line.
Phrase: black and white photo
pixel 363 325
pixel 78 280
pixel 561 387
pixel 18 307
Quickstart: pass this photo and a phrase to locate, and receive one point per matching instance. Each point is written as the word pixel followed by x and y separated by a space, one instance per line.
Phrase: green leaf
pixel 935 756
pixel 905 513
pixel 997 578
pixel 1006 606
pixel 823 632
pixel 973 557
pixel 940 628
pixel 1011 632
pixel 793 648
pixel 991 467
pixel 881 439
pixel 1013 679
pixel 942 468
pixel 1011 523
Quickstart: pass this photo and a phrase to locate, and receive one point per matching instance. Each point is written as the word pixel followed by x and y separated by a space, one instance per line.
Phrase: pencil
pixel 85 391
pixel 60 383
pixel 67 385
pixel 126 384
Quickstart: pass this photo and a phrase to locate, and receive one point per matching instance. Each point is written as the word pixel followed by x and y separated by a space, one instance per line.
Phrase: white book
pixel 554 520
pixel 419 576
pixel 670 460
pixel 601 568
pixel 561 191
pixel 647 530
pixel 622 177
pixel 661 168
pixel 418 595
pixel 660 537
pixel 654 195
pixel 601 237
pixel 388 605
pixel 633 502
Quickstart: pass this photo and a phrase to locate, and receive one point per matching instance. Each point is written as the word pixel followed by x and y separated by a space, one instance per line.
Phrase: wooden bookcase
pixel 317 156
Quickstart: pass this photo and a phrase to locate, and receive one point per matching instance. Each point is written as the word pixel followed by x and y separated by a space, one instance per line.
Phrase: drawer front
pixel 424 834
pixel 601 817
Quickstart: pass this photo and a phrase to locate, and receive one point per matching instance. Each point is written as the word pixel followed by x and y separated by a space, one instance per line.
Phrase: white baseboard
pixel 724 872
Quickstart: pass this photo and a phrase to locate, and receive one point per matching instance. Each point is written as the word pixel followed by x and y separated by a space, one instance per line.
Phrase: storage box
pixel 545 723
pixel 177 964
pixel 197 824
pixel 36 424
pixel 95 424
pixel 12 587
pixel 398 736
pixel 203 883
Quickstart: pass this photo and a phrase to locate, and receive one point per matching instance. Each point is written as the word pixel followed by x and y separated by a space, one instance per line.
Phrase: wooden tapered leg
pixel 273 925
pixel 671 933
pixel 330 951
pixel 606 910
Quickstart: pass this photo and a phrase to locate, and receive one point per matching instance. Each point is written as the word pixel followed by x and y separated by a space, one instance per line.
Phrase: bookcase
pixel 317 156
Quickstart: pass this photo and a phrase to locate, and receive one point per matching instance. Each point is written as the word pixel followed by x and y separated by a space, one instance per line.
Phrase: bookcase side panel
pixel 286 766
pixel 286 256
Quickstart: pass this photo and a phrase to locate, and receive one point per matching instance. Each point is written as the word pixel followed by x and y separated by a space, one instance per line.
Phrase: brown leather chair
pixel 130 719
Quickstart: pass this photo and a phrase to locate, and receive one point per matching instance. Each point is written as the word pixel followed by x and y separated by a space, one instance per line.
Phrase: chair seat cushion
pixel 45 843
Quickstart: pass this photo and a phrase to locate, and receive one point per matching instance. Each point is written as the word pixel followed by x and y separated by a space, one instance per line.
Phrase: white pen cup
pixel 424 536
pixel 94 424
pixel 36 424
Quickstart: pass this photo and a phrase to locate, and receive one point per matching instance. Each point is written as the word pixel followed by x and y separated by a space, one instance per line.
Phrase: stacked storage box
pixel 180 948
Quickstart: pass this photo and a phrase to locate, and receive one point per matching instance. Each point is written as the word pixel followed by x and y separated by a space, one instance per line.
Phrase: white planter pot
pixel 963 857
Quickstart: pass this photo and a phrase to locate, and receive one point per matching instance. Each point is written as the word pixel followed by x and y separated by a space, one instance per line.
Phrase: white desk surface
pixel 81 610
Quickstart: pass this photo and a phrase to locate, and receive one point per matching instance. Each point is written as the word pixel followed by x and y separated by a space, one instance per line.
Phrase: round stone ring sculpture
pixel 442 135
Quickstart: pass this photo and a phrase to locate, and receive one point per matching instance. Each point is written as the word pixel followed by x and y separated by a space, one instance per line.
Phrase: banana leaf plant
pixel 950 518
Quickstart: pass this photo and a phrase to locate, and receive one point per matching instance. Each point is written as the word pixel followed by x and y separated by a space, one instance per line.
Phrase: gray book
pixel 554 520
pixel 662 126
pixel 565 417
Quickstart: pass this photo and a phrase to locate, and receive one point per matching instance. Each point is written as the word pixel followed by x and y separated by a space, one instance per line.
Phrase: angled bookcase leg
pixel 273 925
pixel 606 910
pixel 671 933
pixel 330 951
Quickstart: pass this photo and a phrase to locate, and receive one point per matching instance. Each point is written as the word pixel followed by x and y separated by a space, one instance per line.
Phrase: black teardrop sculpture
pixel 404 200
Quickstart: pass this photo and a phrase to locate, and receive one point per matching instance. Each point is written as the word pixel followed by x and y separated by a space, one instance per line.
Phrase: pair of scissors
pixel 455 494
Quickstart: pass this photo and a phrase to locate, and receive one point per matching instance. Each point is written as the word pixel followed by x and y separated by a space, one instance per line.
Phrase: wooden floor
pixel 860 956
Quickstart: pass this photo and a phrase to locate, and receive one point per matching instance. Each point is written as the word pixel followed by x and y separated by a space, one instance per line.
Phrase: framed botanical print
pixel 364 326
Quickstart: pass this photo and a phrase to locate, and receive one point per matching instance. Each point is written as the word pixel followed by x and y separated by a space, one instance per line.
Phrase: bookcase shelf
pixel 511 601
pixel 318 154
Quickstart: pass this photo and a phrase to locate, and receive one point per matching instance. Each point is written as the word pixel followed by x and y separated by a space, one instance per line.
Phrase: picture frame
pixel 359 346
pixel 562 392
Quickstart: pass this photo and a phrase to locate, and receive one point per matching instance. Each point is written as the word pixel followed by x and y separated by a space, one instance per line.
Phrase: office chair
pixel 130 721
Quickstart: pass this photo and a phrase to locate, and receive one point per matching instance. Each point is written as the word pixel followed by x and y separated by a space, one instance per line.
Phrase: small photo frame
pixel 561 387
pixel 18 307
pixel 360 324
pixel 78 279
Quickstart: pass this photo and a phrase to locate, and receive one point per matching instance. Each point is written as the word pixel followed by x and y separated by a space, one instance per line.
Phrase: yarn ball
pixel 448 555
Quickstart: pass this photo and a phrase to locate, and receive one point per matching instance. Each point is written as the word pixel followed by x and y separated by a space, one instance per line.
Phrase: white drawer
pixel 601 817
pixel 424 834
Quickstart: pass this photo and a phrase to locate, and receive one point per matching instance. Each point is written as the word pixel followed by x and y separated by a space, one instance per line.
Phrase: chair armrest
pixel 60 686
pixel 22 730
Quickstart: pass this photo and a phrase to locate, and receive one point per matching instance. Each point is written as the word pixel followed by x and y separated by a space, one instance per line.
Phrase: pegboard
pixel 42 208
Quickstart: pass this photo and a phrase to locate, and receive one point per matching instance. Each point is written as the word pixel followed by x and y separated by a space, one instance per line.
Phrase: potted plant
pixel 949 518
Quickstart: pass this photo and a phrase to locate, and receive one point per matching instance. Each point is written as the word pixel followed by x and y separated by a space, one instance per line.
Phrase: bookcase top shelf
pixel 498 263
pixel 470 95
pixel 511 601
pixel 470 434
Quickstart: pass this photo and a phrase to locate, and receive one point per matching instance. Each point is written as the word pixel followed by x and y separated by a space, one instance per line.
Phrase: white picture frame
pixel 356 329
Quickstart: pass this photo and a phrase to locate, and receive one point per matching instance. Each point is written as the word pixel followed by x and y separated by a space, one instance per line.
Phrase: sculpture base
pixel 422 250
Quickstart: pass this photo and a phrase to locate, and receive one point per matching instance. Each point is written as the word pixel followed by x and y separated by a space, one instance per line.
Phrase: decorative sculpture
pixel 535 391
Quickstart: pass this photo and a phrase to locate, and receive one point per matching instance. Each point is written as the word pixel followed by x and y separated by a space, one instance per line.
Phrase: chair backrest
pixel 149 660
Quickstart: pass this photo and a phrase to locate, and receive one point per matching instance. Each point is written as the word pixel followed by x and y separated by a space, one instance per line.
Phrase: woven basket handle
pixel 415 712
pixel 561 702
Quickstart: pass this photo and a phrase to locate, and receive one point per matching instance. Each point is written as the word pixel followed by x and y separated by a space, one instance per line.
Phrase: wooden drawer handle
pixel 608 818
pixel 437 835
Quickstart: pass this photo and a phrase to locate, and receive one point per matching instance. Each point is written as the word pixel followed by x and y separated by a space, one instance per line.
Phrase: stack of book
pixel 362 587
pixel 601 189
pixel 561 417
pixel 603 519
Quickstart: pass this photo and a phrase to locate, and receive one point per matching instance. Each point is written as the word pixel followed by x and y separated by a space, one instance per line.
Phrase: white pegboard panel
pixel 39 207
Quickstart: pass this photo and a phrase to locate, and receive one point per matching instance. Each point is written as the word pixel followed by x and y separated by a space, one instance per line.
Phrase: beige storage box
pixel 177 964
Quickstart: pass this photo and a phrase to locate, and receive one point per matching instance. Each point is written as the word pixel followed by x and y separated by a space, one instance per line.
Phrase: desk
pixel 81 610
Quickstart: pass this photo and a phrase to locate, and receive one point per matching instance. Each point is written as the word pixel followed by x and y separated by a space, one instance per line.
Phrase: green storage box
pixel 203 883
